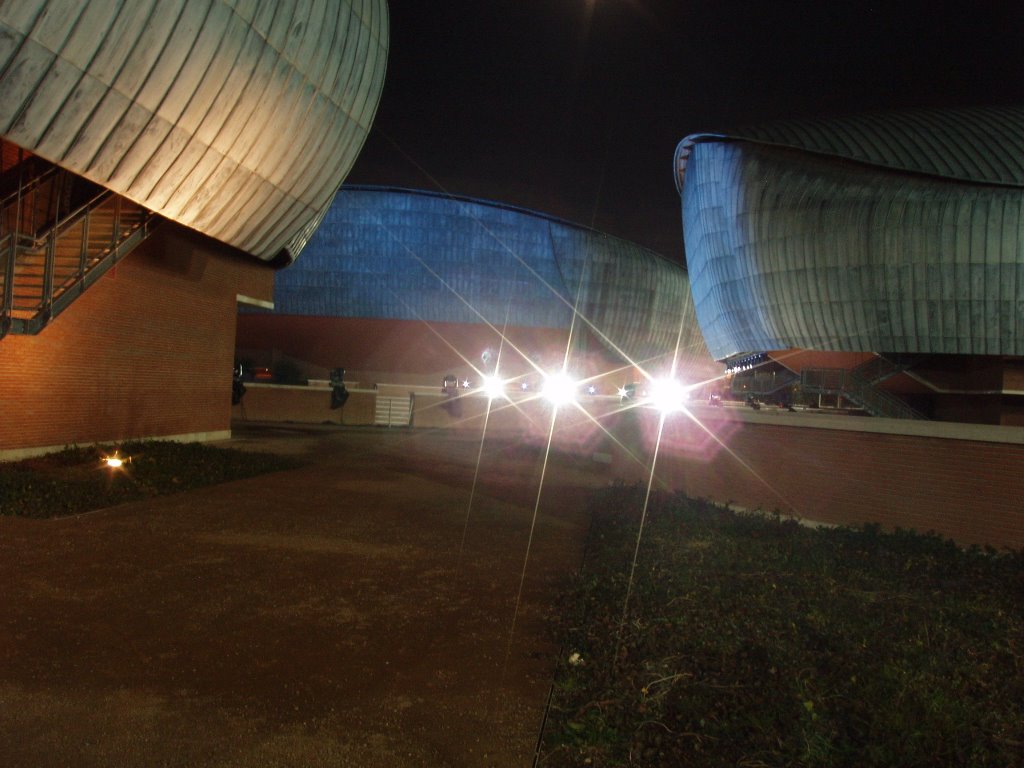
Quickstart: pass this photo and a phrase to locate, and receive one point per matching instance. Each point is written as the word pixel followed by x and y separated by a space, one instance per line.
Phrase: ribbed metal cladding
pixel 238 118
pixel 790 249
pixel 404 254
pixel 983 144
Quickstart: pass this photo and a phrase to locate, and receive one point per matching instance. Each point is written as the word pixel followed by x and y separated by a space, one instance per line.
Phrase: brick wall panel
pixel 967 490
pixel 146 351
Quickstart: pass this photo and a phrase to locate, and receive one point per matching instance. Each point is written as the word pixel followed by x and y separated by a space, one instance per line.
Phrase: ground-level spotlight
pixel 115 461
pixel 559 389
pixel 668 395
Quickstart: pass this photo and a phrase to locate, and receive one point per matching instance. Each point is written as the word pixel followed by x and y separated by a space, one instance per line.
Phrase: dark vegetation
pixel 77 479
pixel 750 641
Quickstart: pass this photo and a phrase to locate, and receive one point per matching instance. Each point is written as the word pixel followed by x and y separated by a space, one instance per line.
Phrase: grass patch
pixel 77 480
pixel 753 641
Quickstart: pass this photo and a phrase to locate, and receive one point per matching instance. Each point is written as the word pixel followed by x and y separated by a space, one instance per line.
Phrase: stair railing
pixel 56 295
pixel 840 381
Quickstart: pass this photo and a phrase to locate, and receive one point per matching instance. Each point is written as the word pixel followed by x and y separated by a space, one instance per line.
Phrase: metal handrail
pixel 7 248
pixel 28 186
pixel 16 200
pixel 91 264
pixel 845 382
pixel 762 382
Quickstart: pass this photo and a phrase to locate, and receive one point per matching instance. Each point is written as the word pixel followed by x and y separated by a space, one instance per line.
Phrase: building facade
pixel 895 239
pixel 403 285
pixel 206 138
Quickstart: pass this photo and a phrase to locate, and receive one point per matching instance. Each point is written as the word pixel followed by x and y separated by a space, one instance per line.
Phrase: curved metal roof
pixel 790 249
pixel 405 254
pixel 238 118
pixel 982 145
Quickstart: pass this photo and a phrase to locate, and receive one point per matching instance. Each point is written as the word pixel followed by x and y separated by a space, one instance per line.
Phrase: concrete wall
pixel 303 405
pixel 145 352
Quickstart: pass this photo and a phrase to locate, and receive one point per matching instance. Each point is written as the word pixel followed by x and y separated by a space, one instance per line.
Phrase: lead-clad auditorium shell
pixel 410 255
pixel 883 233
pixel 237 118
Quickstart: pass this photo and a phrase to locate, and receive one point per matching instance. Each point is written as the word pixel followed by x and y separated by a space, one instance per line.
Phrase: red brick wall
pixel 967 490
pixel 963 486
pixel 147 351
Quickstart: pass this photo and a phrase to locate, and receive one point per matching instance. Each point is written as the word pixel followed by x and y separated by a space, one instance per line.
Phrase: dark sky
pixel 574 107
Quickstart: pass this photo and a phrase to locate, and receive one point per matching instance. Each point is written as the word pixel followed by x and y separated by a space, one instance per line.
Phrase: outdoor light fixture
pixel 339 395
pixel 591 390
pixel 115 461
pixel 237 387
pixel 559 389
pixel 493 387
pixel 668 395
pixel 465 383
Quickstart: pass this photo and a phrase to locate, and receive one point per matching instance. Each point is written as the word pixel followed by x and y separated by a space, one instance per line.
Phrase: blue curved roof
pixel 406 254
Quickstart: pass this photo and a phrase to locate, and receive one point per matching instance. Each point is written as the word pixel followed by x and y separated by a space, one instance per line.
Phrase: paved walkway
pixel 354 612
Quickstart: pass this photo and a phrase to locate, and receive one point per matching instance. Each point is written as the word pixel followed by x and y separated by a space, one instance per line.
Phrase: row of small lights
pixel 667 395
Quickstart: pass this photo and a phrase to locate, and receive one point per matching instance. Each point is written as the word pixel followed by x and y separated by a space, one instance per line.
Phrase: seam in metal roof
pixel 983 145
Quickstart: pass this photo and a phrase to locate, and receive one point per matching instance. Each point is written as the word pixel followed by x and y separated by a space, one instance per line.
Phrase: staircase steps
pixel 856 389
pixel 47 259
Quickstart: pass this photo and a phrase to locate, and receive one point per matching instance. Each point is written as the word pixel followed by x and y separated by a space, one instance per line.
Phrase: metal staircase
pixel 881 367
pixel 762 383
pixel 853 385
pixel 58 235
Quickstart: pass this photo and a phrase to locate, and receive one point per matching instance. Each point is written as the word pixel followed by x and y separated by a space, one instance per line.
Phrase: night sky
pixel 574 107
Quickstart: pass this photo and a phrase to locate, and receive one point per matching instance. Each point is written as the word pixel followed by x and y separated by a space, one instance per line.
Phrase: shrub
pixel 76 480
pixel 749 640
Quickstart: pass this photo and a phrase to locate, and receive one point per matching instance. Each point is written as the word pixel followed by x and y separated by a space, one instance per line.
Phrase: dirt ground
pixel 358 611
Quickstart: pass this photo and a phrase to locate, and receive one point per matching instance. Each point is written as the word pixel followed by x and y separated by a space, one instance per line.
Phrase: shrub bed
pixel 750 640
pixel 78 479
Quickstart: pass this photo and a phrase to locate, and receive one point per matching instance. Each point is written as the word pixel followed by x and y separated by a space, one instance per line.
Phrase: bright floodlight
pixel 493 387
pixel 559 389
pixel 668 395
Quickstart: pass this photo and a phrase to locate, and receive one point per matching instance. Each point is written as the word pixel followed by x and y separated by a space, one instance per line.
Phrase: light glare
pixel 559 389
pixel 493 387
pixel 115 461
pixel 668 395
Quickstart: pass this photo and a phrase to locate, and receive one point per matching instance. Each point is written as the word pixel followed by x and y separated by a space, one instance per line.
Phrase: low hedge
pixel 77 479
pixel 750 640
